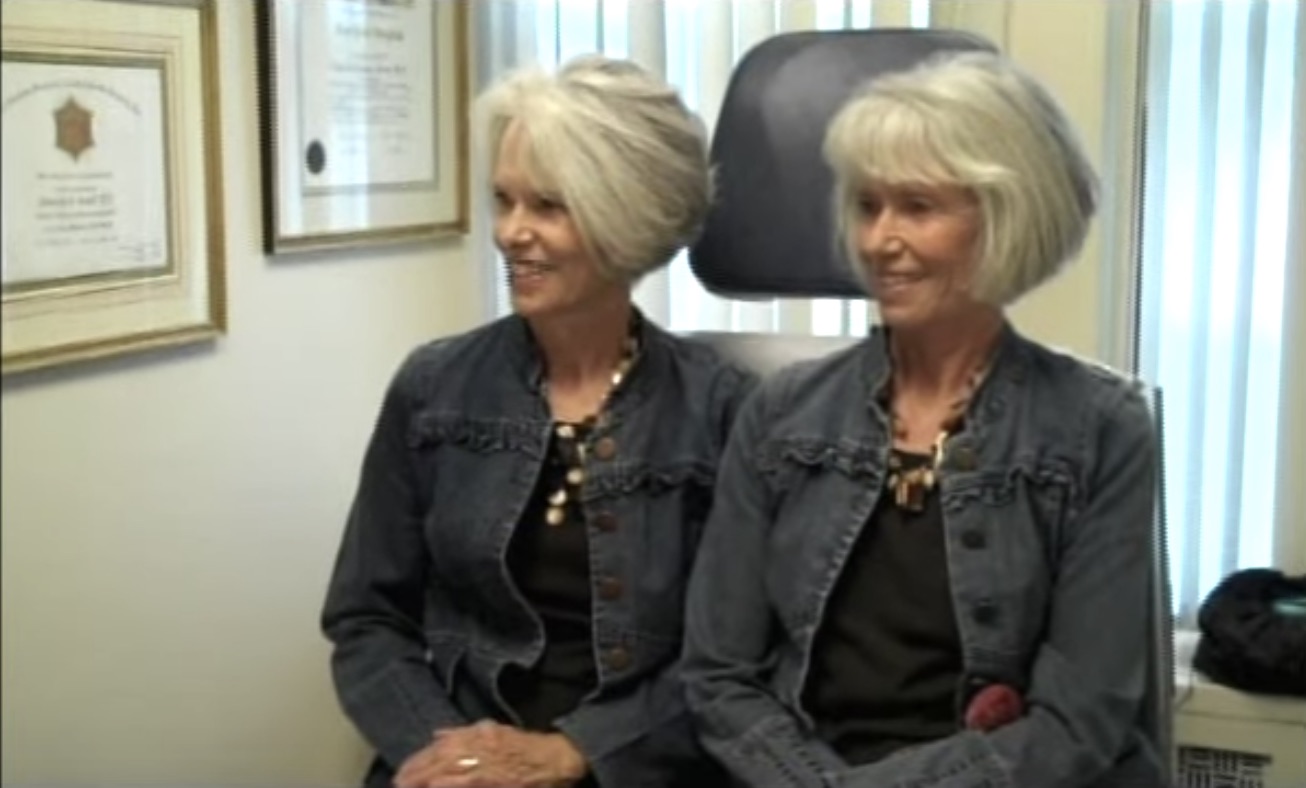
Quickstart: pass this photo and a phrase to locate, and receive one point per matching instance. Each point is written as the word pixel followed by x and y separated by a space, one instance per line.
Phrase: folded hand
pixel 490 755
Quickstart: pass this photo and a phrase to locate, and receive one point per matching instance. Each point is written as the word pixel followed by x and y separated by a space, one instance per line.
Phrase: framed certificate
pixel 364 121
pixel 112 197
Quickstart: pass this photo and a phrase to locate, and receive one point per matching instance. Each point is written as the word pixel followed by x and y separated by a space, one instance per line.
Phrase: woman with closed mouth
pixel 928 560
pixel 506 607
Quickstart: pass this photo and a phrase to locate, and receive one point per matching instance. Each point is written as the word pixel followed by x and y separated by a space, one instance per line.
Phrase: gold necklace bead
pixel 576 447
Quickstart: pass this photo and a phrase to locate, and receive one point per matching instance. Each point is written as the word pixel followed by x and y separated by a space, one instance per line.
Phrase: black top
pixel 887 657
pixel 550 564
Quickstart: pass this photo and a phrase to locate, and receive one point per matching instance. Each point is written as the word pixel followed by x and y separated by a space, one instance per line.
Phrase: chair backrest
pixel 768 353
pixel 771 232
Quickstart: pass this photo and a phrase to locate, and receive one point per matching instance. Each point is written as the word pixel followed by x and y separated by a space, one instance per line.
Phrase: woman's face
pixel 550 271
pixel 917 245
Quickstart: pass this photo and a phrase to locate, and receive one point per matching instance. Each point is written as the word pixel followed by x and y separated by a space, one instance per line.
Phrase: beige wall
pixel 169 522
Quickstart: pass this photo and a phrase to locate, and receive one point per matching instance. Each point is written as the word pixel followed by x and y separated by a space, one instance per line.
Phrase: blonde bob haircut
pixel 977 121
pixel 618 147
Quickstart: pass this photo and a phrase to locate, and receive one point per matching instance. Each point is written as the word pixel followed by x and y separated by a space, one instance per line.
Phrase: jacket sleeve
pixel 731 630
pixel 1087 679
pixel 1084 690
pixel 648 731
pixel 642 737
pixel 373 609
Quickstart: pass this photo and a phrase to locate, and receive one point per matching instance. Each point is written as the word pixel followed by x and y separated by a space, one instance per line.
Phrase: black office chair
pixel 771 231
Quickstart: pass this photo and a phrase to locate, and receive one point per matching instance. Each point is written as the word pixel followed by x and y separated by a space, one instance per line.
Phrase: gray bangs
pixel 895 141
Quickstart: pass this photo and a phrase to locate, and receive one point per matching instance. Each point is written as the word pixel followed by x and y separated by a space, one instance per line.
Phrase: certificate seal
pixel 72 128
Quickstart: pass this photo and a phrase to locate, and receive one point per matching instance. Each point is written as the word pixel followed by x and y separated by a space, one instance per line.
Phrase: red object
pixel 994 706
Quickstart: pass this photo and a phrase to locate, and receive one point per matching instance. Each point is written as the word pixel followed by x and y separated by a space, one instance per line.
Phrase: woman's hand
pixel 490 755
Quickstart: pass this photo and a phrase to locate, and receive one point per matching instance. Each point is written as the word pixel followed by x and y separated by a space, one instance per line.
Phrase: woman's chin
pixel 537 305
pixel 530 296
pixel 902 317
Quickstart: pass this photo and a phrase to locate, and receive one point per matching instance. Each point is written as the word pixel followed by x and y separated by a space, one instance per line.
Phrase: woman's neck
pixel 581 347
pixel 933 363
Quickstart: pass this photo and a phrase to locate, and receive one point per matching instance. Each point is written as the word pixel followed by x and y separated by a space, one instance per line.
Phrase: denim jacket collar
pixel 990 401
pixel 528 361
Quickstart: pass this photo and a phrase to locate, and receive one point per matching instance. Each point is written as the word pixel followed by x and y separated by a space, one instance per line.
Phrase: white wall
pixel 169 521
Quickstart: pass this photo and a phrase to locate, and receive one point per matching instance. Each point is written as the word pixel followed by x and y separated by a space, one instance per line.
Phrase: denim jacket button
pixel 963 458
pixel 985 613
pixel 974 540
pixel 606 448
pixel 609 588
pixel 605 522
pixel 617 658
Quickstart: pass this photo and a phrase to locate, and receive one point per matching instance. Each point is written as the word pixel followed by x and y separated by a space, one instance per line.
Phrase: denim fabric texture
pixel 1047 496
pixel 421 608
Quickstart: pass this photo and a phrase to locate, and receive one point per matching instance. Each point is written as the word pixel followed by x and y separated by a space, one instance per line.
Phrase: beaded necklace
pixel 574 437
pixel 911 486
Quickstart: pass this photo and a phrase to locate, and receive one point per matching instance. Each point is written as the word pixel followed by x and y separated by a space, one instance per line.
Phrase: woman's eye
pixel 550 205
pixel 917 205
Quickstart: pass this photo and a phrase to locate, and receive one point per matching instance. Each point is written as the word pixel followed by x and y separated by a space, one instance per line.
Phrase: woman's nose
pixel 514 227
pixel 878 235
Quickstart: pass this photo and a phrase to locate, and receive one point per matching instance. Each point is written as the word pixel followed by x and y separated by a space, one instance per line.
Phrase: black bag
pixel 1254 633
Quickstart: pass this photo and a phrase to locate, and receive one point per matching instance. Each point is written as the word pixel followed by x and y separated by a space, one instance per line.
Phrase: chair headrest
pixel 771 229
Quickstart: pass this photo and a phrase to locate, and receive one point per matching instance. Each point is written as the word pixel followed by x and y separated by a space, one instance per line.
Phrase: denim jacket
pixel 421 607
pixel 1047 496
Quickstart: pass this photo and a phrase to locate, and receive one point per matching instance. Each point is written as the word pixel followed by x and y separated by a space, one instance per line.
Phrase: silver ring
pixel 468 763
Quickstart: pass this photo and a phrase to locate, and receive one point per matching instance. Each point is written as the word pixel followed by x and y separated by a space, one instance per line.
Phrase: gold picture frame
pixel 363 107
pixel 112 179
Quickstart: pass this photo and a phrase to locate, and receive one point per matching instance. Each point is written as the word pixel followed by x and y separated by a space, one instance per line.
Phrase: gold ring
pixel 468 763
